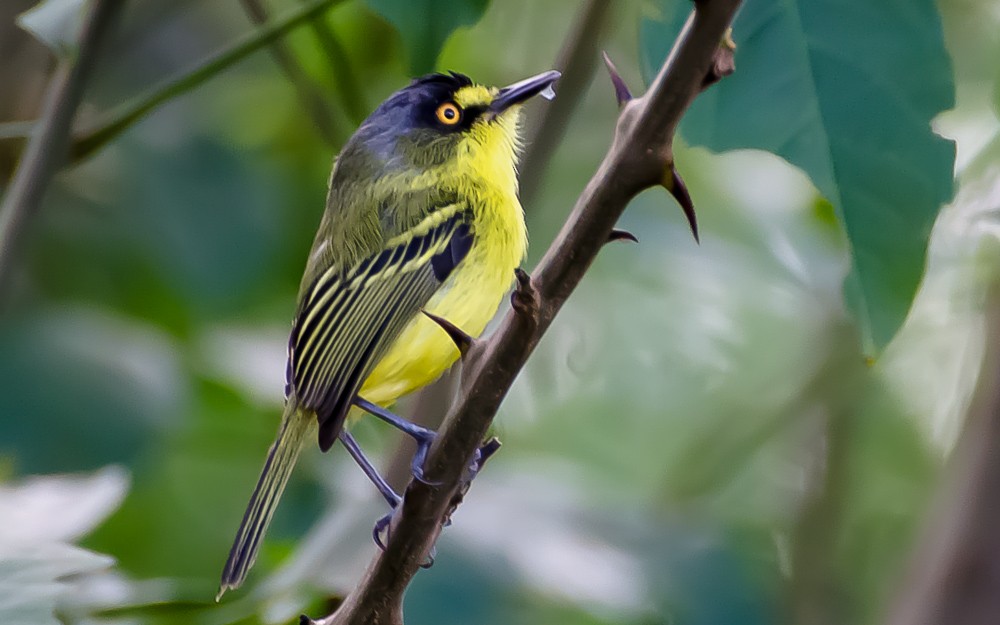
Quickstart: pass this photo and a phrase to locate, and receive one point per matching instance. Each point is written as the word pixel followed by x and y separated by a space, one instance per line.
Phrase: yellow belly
pixel 469 298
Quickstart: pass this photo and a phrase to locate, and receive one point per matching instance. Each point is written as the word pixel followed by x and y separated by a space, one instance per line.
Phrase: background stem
pixel 46 150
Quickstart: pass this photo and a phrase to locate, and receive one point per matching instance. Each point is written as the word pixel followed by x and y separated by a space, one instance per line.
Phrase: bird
pixel 422 216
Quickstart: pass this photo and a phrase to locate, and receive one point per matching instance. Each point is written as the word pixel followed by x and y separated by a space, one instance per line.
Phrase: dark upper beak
pixel 521 91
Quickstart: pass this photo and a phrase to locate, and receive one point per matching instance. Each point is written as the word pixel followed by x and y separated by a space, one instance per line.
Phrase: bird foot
pixel 423 436
pixel 425 440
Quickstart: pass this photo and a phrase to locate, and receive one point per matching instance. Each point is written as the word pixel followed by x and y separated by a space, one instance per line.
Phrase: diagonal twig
pixel 309 94
pixel 123 117
pixel 639 154
pixel 46 150
pixel 578 60
pixel 347 88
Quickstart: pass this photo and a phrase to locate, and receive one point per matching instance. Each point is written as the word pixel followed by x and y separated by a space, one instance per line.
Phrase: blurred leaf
pixel 33 579
pixel 191 494
pixel 60 507
pixel 880 497
pixel 36 568
pixel 846 91
pixel 56 23
pixel 185 238
pixel 425 25
pixel 81 388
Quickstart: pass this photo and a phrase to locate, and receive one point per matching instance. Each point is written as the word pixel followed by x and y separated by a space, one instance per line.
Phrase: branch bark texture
pixel 639 155
pixel 49 144
pixel 954 578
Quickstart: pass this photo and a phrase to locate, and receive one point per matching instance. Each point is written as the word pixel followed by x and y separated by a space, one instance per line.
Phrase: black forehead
pixel 439 86
pixel 413 106
pixel 451 80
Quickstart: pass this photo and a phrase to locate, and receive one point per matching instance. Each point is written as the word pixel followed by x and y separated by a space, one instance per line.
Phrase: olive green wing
pixel 348 319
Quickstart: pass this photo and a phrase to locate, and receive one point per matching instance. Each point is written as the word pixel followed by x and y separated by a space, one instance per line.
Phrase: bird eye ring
pixel 448 114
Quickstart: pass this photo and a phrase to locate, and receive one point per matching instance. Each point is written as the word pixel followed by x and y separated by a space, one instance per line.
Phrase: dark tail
pixel 278 468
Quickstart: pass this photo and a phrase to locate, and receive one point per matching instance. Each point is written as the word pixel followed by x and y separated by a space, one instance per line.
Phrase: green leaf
pixel 425 25
pixel 846 91
pixel 56 23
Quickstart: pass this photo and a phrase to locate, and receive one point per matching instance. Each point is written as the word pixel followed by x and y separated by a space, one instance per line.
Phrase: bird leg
pixel 423 436
pixel 391 497
pixel 483 453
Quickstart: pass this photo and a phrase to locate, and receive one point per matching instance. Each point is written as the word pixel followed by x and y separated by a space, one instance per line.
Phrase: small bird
pixel 422 216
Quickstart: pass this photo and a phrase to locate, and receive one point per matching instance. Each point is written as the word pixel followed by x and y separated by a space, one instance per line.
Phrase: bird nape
pixel 422 216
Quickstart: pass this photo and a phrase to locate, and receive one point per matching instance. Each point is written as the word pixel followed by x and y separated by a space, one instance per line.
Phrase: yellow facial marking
pixel 474 95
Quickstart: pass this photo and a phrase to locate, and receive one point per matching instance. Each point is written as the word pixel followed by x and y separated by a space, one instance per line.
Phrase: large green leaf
pixel 424 25
pixel 845 90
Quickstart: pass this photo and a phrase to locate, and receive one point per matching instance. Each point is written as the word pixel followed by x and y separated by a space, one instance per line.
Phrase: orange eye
pixel 449 114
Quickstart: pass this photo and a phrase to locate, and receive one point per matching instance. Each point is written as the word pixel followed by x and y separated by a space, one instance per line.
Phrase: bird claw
pixel 424 444
pixel 429 562
pixel 483 453
pixel 382 525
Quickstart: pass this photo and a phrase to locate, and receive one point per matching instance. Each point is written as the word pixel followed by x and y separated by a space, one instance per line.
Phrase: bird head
pixel 447 121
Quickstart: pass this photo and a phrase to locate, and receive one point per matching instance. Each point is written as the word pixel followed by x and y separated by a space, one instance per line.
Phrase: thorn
pixel 524 299
pixel 458 336
pixel 523 279
pixel 622 235
pixel 723 61
pixel 727 39
pixel 675 184
pixel 622 93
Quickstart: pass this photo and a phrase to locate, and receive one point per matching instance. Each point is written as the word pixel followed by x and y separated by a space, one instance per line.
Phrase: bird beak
pixel 521 91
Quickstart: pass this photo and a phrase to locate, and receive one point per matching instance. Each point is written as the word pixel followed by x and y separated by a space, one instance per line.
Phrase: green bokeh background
pixel 697 437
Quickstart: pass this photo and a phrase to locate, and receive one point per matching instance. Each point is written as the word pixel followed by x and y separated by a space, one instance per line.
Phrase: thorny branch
pixel 640 157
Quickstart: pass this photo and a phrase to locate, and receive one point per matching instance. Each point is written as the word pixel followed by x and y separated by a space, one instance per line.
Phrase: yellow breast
pixel 473 292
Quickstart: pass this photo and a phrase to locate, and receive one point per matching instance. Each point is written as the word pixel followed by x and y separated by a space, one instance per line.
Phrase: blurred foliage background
pixel 704 437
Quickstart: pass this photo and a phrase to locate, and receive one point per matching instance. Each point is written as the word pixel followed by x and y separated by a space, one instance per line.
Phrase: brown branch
pixel 578 59
pixel 309 94
pixel 954 577
pixel 49 145
pixel 636 160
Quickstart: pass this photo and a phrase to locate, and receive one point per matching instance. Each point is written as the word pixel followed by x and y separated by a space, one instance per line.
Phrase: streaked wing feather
pixel 348 319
